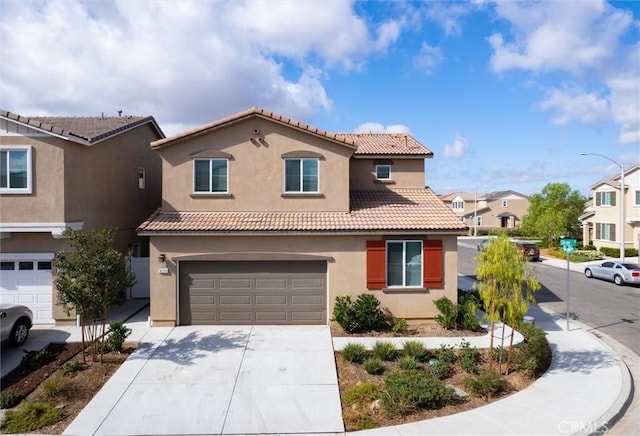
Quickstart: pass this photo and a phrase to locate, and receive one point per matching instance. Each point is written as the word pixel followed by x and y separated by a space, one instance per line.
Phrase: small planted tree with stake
pixel 506 287
pixel 92 277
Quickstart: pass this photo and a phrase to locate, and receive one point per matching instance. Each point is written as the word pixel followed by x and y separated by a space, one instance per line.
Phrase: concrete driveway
pixel 220 380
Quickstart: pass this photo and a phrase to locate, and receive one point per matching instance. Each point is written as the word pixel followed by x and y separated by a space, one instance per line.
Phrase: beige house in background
pixel 495 210
pixel 265 220
pixel 601 220
pixel 77 172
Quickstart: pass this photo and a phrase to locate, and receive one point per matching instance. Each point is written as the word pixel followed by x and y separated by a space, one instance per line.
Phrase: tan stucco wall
pixel 256 170
pixel 46 202
pixel 405 173
pixel 346 272
pixel 611 215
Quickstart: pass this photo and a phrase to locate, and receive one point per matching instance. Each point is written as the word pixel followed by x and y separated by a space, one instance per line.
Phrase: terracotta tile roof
pixel 387 144
pixel 83 129
pixel 246 114
pixel 371 210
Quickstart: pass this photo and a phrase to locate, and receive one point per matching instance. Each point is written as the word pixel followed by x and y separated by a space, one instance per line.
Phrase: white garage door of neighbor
pixel 26 279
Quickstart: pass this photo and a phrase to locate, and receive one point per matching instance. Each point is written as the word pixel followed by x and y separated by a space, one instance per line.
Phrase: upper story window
pixel 637 198
pixel 15 170
pixel 383 172
pixel 505 203
pixel 301 175
pixel 404 263
pixel 458 204
pixel 607 198
pixel 211 175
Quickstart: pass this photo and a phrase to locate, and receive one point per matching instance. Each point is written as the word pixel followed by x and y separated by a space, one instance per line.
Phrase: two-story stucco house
pixel 266 220
pixel 76 172
pixel 601 221
pixel 495 210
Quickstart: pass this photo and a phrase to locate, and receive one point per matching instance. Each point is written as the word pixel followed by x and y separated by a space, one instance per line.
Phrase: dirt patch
pixel 426 328
pixel 74 390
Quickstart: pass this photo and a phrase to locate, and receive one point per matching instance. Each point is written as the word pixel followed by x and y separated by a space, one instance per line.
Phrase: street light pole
pixel 622 199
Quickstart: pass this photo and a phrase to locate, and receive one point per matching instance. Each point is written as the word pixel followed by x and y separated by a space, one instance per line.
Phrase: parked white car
pixel 618 272
pixel 15 322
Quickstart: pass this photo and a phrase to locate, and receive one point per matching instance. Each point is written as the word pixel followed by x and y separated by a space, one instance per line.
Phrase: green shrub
pixel 407 362
pixel 364 393
pixel 373 365
pixel 30 417
pixel 343 314
pixel 118 333
pixel 445 354
pixel 468 357
pixel 406 392
pixel 357 421
pixel 415 349
pixel 355 353
pixel 71 367
pixel 484 385
pixel 9 398
pixel 367 311
pixel 36 359
pixel 533 356
pixel 448 313
pixel 468 306
pixel 499 355
pixel 399 326
pixel 615 252
pixel 441 370
pixel 57 387
pixel 364 314
pixel 385 350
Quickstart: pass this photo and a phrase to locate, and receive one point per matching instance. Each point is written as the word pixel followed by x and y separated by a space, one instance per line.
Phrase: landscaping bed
pixel 58 378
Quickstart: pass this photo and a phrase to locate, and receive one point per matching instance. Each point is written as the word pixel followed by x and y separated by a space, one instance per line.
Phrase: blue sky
pixel 506 94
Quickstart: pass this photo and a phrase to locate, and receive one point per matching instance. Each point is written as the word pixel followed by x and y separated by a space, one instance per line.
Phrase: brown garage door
pixel 253 293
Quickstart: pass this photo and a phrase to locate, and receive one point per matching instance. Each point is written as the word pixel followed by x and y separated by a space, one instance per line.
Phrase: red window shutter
pixel 432 261
pixel 376 265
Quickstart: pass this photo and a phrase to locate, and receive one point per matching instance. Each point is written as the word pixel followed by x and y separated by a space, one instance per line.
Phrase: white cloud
pixel 428 58
pixel 572 103
pixel 561 35
pixel 183 62
pixel 373 127
pixel 457 148
pixel 448 14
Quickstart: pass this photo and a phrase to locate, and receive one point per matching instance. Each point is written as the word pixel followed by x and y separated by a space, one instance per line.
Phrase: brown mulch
pixel 426 328
pixel 82 384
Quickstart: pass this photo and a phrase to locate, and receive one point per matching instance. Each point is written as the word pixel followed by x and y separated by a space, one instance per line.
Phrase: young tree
pixel 553 213
pixel 506 286
pixel 92 277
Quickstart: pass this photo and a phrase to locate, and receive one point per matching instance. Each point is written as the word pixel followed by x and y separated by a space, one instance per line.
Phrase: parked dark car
pixel 15 322
pixel 529 250
pixel 618 272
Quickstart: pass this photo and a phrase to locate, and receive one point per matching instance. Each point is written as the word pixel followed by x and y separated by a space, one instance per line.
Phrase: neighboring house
pixel 601 224
pixel 266 220
pixel 77 172
pixel 495 210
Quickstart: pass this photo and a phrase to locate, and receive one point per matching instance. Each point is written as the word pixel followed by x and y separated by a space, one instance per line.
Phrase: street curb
pixel 620 406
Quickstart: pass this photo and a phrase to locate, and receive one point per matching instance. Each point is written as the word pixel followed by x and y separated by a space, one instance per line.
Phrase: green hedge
pixel 615 252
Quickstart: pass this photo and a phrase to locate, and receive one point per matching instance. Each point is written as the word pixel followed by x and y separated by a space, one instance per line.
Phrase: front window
pixel 637 198
pixel 404 263
pixel 383 172
pixel 607 198
pixel 211 175
pixel 301 175
pixel 458 204
pixel 15 170
pixel 605 232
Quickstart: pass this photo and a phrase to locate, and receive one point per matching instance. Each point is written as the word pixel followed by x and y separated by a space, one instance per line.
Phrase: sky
pixel 504 93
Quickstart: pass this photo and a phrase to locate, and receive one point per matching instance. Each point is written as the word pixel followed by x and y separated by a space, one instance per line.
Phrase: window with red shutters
pixel 432 264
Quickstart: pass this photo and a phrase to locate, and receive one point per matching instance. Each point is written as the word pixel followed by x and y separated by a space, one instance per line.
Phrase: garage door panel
pixel 202 299
pixel 254 292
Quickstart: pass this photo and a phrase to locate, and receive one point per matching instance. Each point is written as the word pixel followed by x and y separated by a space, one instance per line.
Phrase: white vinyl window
pixel 605 232
pixel 458 204
pixel 479 220
pixel 301 175
pixel 637 198
pixel 15 170
pixel 211 175
pixel 607 198
pixel 505 203
pixel 383 172
pixel 404 263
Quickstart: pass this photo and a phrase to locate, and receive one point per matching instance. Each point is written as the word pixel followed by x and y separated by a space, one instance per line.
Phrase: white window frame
pixel 378 167
pixel 28 188
pixel 609 195
pixel 636 197
pixel 301 175
pixel 458 204
pixel 142 178
pixel 611 233
pixel 505 203
pixel 404 263
pixel 210 191
pixel 479 220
